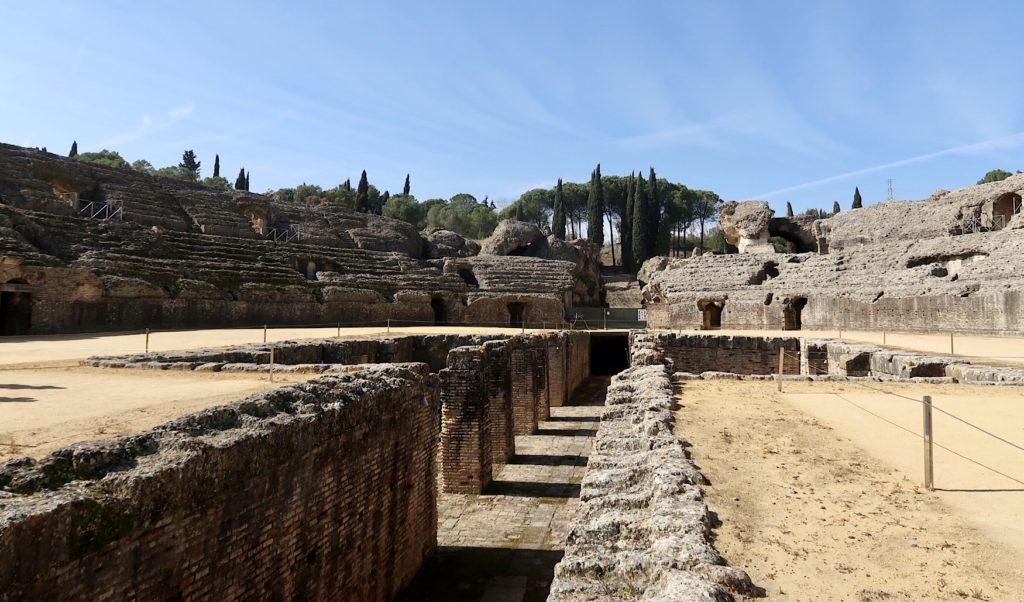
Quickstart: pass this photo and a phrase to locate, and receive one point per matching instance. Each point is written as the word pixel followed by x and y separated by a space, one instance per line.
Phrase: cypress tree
pixel 405 189
pixel 653 215
pixel 789 209
pixel 558 220
pixel 240 180
pixel 189 163
pixel 835 207
pixel 74 149
pixel 247 174
pixel 347 185
pixel 640 225
pixel 857 201
pixel 363 194
pixel 216 166
pixel 384 199
pixel 625 228
pixel 595 205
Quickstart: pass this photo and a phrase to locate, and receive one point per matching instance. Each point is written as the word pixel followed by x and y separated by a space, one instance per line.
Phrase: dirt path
pixel 813 516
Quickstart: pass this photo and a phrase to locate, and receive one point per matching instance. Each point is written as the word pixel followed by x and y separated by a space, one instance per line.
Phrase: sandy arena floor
pixel 43 409
pixel 821 501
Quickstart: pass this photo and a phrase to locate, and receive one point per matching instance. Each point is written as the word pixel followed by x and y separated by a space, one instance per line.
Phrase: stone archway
pixel 15 308
pixel 793 313
pixel 440 310
pixel 711 311
pixel 1004 208
pixel 516 314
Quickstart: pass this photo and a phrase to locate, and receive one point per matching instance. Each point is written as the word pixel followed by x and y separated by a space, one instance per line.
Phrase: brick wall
pixel 698 353
pixel 324 490
pixel 465 422
pixel 498 387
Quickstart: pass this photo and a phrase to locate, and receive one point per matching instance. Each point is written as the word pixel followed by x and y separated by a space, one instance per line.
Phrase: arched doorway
pixel 516 313
pixel 1004 208
pixel 440 310
pixel 793 313
pixel 711 314
pixel 15 308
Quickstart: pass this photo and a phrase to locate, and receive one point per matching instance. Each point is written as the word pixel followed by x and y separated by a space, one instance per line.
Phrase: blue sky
pixel 785 101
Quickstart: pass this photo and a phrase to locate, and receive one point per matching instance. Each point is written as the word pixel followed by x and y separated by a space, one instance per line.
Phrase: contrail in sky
pixel 1010 140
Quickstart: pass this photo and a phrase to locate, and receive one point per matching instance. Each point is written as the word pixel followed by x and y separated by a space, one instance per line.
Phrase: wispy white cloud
pixel 146 125
pixel 1010 141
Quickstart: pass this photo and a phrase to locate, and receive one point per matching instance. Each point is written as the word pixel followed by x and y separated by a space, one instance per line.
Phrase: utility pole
pixel 891 195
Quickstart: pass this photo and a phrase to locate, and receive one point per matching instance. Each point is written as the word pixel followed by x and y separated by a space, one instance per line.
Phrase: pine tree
pixel 835 207
pixel 789 209
pixel 640 224
pixel 625 228
pixel 653 215
pixel 240 180
pixel 189 163
pixel 558 219
pixel 405 189
pixel 362 194
pixel 74 149
pixel 595 208
pixel 216 166
pixel 857 201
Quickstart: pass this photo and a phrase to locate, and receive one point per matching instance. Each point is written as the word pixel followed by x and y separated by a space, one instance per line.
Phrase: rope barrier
pixel 935 443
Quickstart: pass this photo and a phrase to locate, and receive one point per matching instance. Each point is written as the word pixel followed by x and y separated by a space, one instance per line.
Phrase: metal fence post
pixel 264 333
pixel 271 363
pixel 147 341
pixel 389 325
pixel 951 343
pixel 929 475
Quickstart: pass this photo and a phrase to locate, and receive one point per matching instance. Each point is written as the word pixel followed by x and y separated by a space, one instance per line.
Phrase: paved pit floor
pixel 502 546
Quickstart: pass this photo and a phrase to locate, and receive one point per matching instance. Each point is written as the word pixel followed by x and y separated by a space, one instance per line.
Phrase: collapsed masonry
pixel 178 254
pixel 953 261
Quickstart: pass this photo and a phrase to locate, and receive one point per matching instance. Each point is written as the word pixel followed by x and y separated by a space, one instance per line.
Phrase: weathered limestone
pixel 643 529
pixel 745 225
pixel 953 261
pixel 185 255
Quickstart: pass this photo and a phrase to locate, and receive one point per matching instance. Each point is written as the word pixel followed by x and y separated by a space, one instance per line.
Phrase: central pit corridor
pixel 503 546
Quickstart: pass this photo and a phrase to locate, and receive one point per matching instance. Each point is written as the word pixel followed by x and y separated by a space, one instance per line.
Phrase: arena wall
pixel 321 490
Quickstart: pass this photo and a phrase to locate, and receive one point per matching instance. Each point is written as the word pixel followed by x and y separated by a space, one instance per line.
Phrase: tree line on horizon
pixel 188 170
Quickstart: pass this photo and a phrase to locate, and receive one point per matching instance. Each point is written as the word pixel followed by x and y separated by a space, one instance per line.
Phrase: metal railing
pixel 288 234
pixel 112 209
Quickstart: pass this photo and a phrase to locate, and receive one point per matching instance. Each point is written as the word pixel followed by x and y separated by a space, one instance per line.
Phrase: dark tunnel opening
pixel 609 353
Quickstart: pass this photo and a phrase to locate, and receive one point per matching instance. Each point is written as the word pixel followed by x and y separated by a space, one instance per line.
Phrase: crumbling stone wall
pixel 642 530
pixel 696 353
pixel 323 490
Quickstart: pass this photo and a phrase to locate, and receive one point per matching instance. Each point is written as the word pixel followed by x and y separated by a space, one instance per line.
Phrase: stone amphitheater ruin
pixel 358 480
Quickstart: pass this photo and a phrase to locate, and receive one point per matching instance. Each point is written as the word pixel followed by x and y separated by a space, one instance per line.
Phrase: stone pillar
pixel 557 347
pixel 465 438
pixel 523 375
pixel 499 401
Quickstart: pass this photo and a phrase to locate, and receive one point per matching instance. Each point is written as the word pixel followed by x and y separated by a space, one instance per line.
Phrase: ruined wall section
pixel 695 354
pixel 969 283
pixel 323 490
pixel 642 530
